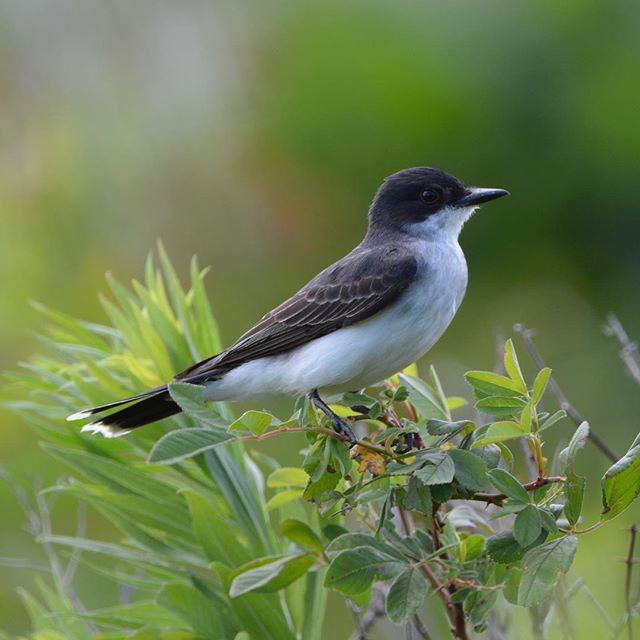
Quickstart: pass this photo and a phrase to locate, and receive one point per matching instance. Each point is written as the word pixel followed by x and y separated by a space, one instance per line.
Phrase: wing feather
pixel 353 289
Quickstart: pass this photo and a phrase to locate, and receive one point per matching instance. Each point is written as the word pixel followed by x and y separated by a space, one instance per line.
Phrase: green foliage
pixel 217 543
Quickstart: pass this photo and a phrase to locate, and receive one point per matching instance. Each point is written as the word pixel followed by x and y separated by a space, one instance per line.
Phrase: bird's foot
pixel 338 424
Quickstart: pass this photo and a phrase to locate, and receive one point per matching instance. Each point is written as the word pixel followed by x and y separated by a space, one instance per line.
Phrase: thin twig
pixel 629 562
pixel 40 526
pixel 81 530
pixel 375 611
pixel 59 575
pixel 419 627
pixel 499 498
pixel 322 431
pixel 629 349
pixel 565 405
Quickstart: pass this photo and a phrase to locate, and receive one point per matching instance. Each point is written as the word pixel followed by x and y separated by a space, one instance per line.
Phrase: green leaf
pixel 302 534
pixel 327 482
pixel 209 619
pixel 527 526
pixel 438 470
pixel 352 571
pixel 270 574
pixel 501 405
pixel 504 548
pixel 540 384
pixel 442 427
pixel 576 443
pixel 542 568
pixel 552 419
pixel 512 366
pixel 181 444
pixel 470 470
pixel 574 494
pixel 219 536
pixel 492 384
pixel 499 432
pixel 504 482
pixel 423 398
pixel 288 477
pixel 283 498
pixel 621 483
pixel 512 584
pixel 406 594
pixel 257 422
pixel 418 497
pixel 314 599
pixel 356 540
pixel 471 547
pixel 190 399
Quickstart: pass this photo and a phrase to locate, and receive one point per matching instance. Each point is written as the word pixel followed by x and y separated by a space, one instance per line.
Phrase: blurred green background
pixel 255 133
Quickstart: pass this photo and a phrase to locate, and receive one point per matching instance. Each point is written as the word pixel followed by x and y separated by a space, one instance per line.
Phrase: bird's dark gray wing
pixel 353 289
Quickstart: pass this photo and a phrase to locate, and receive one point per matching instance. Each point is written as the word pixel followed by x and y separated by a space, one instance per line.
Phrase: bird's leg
pixel 338 424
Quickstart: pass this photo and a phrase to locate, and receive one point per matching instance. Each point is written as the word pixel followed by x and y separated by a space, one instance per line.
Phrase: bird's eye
pixel 430 196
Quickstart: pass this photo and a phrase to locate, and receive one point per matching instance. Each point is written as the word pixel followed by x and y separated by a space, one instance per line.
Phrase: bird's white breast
pixel 369 351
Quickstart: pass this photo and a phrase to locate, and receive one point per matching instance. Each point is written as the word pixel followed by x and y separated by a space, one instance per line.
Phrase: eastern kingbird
pixel 359 321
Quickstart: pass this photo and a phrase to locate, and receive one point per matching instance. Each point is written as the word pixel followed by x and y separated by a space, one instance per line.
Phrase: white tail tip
pixel 79 415
pixel 106 430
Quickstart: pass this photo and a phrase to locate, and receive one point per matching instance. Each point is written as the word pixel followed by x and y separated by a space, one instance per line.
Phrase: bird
pixel 362 319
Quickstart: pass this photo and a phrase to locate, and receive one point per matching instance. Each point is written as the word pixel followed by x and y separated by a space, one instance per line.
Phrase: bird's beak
pixel 477 195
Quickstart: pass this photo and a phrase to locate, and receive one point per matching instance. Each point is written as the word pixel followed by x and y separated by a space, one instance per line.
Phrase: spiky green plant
pixel 186 529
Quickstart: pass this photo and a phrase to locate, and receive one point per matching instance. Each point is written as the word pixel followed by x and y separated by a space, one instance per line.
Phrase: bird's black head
pixel 427 197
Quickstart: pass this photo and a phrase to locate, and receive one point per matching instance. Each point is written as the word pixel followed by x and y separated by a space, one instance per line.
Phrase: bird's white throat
pixel 445 225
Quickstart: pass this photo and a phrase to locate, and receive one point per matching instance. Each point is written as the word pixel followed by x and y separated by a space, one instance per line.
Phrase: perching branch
pixel 565 405
pixel 499 498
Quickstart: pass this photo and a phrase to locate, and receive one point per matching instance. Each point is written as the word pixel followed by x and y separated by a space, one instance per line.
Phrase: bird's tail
pixel 148 407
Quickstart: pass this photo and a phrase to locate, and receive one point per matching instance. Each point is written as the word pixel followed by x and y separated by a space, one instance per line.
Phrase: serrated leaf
pixel 302 534
pixel 500 432
pixel 438 470
pixel 352 571
pixel 512 366
pixel 406 594
pixel 418 497
pixel 470 470
pixel 503 548
pixel 621 483
pixel 527 526
pixel 504 482
pixel 542 568
pixel 355 540
pixel 181 444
